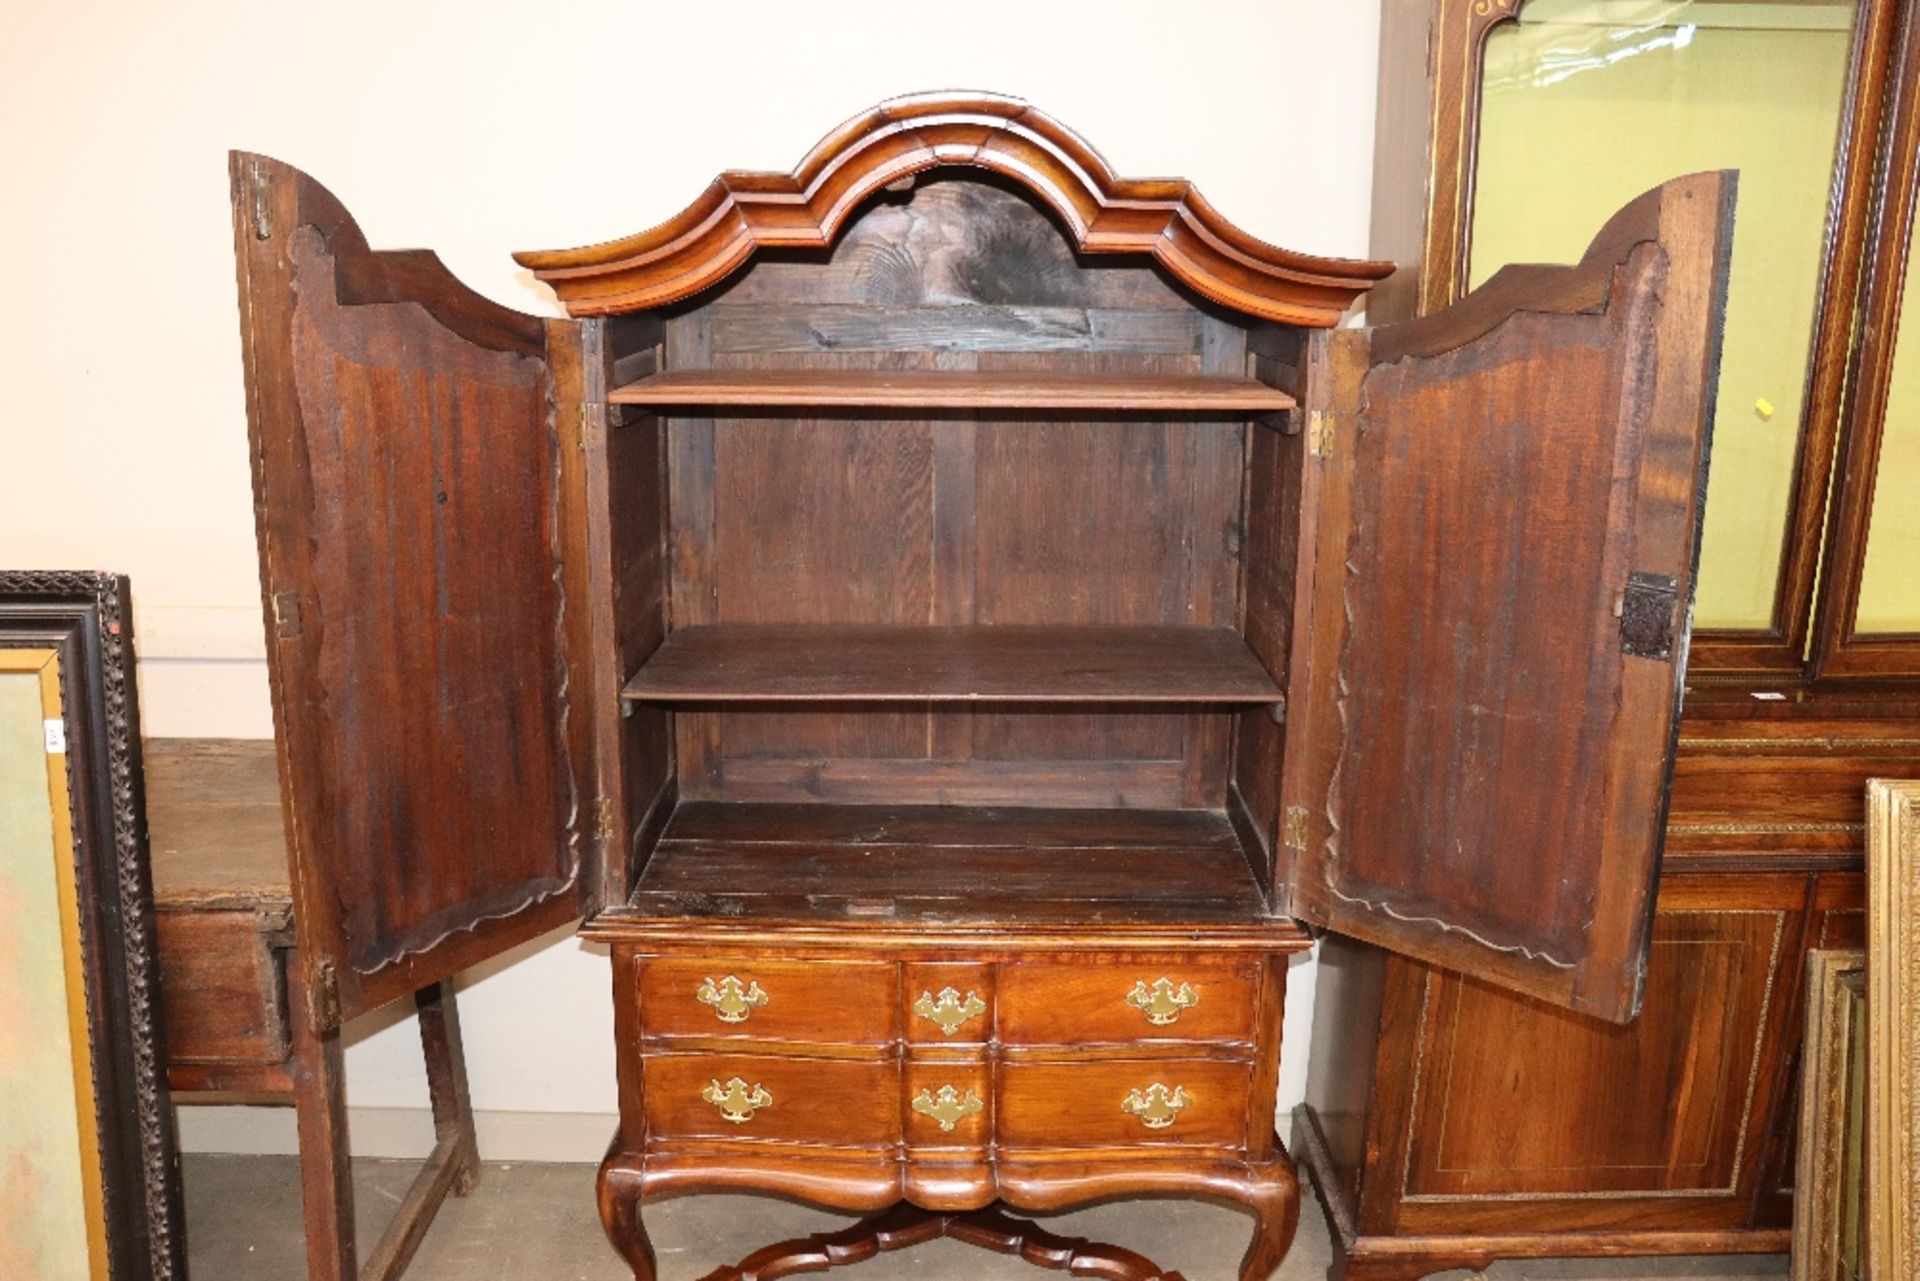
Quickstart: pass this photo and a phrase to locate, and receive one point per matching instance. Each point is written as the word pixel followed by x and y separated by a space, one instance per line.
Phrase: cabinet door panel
pixel 1664 1105
pixel 1507 523
pixel 407 480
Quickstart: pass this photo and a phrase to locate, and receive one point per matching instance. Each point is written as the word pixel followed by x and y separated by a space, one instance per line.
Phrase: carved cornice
pixel 1166 219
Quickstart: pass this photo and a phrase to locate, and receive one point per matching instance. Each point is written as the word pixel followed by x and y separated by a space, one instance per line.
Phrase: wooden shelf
pixel 952 389
pixel 928 864
pixel 1011 664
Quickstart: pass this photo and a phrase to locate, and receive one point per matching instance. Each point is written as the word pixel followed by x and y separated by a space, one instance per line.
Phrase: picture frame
pixel 1893 1027
pixel 86 1125
pixel 1829 1181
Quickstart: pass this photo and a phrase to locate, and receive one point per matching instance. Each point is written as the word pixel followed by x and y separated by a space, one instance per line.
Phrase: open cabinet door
pixel 1507 506
pixel 409 469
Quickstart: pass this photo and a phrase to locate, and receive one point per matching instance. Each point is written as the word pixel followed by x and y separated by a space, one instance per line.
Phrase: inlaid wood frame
pixel 1829 1181
pixel 1893 1028
pixel 74 628
pixel 1432 53
pixel 1839 648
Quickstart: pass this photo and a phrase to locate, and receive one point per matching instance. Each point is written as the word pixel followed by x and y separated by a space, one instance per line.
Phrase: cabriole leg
pixel 1274 1198
pixel 620 1189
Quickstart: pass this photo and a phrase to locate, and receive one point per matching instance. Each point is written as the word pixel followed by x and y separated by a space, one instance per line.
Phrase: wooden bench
pixel 224 910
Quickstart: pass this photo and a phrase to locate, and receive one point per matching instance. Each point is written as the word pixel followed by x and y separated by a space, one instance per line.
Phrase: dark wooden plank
pixel 953 389
pixel 213 824
pixel 931 826
pixel 798 663
pixel 801 862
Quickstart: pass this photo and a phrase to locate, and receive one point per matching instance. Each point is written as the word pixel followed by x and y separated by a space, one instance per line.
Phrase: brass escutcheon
pixel 948 1010
pixel 1157 1106
pixel 1162 1003
pixel 731 1001
pixel 737 1100
pixel 949 1107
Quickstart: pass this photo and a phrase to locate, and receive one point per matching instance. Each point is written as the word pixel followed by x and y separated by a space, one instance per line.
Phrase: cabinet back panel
pixel 854 517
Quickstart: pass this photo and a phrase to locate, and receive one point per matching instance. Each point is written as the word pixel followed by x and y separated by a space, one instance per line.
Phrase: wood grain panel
pixel 1079 1104
pixel 846 1103
pixel 1046 1004
pixel 975 391
pixel 408 473
pixel 222 992
pixel 819 1001
pixel 1481 601
pixel 214 830
pixel 1714 985
pixel 937 864
pixel 1010 663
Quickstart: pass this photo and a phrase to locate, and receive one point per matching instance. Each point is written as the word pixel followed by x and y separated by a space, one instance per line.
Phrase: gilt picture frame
pixel 1830 1178
pixel 1893 1027
pixel 89 1166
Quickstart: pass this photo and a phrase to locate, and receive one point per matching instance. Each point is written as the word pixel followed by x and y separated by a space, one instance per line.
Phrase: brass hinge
pixel 1320 428
pixel 262 208
pixel 326 999
pixel 1294 832
pixel 603 819
pixel 286 614
pixel 593 417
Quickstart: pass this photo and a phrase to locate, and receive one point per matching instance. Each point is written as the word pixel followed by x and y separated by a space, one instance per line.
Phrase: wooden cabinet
pixel 946 618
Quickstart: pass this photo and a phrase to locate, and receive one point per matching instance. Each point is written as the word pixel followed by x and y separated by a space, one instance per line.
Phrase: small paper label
pixel 56 737
pixel 1769 696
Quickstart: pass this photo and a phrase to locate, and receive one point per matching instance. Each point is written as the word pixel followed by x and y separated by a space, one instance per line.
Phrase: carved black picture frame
pixel 84 619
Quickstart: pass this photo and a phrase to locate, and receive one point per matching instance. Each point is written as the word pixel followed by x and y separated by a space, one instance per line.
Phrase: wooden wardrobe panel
pixel 1502 604
pixel 409 473
pixel 1719 995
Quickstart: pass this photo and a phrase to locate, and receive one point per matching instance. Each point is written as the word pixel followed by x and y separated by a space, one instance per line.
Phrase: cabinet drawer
pixel 1073 1004
pixel 1124 1102
pixel 837 1002
pixel 221 989
pixel 799 1100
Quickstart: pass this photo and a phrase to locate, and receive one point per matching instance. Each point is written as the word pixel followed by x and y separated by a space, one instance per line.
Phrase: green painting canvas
pixel 43 1201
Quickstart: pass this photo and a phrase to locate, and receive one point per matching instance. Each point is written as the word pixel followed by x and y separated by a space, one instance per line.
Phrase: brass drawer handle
pixel 948 1010
pixel 949 1107
pixel 731 1001
pixel 737 1100
pixel 1162 1003
pixel 1157 1106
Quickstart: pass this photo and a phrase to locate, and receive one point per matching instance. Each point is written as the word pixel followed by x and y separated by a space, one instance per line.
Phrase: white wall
pixel 476 128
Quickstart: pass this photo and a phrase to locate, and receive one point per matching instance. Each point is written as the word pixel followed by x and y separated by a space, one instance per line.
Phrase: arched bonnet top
pixel 1166 219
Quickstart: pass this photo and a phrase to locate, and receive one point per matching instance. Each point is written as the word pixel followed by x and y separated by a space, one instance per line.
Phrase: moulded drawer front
pixel 1076 1004
pixel 796 1100
pixel 1123 1102
pixel 829 1002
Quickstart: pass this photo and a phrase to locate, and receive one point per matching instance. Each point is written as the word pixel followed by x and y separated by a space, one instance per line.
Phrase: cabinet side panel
pixel 637 572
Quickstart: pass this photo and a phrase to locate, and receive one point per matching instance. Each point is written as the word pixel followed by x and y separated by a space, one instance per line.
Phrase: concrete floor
pixel 537 1223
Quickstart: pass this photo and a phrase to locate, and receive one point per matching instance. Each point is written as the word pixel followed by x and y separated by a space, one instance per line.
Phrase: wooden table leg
pixel 447 1080
pixel 326 1172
